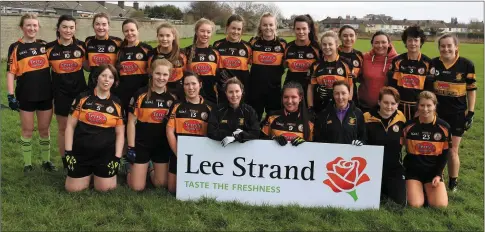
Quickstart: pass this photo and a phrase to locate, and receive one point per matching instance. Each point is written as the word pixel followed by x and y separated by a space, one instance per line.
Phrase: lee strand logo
pixel 345 176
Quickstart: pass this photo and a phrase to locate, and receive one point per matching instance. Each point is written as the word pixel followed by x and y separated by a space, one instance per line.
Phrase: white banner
pixel 263 172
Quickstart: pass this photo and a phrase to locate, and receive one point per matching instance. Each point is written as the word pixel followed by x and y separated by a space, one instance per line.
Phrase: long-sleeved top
pixel 224 120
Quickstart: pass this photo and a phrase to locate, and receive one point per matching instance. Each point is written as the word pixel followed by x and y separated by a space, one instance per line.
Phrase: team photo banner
pixel 262 172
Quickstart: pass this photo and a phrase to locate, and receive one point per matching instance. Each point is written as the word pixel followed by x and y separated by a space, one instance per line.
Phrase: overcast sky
pixel 464 11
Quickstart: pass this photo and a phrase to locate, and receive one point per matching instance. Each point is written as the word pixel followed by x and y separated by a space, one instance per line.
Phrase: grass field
pixel 39 202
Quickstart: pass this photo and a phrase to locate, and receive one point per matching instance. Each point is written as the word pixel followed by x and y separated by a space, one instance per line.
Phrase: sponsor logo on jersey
pixel 267 58
pixel 443 85
pixel 290 136
pixel 100 59
pixel 300 65
pixel 202 68
pixel 425 148
pixel 37 62
pixel 410 81
pixel 231 62
pixel 68 66
pixel 328 81
pixel 96 118
pixel 129 67
pixel 192 126
pixel 158 115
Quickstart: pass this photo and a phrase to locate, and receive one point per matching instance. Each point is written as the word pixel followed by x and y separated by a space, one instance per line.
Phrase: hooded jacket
pixel 374 76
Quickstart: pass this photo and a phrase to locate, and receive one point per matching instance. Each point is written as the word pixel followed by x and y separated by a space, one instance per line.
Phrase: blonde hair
pixel 267 14
pixel 199 23
pixel 175 44
pixel 331 34
pixel 447 35
pixel 155 64
pixel 28 16
pixel 428 96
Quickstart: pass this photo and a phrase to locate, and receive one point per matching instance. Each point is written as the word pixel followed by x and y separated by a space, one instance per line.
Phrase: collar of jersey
pixel 233 42
pixel 338 56
pixel 200 102
pixel 134 45
pixel 105 37
pixel 291 113
pixel 306 44
pixel 419 56
pixel 451 65
pixel 340 49
pixel 434 120
pixel 21 40
pixel 59 41
pixel 96 94
pixel 158 50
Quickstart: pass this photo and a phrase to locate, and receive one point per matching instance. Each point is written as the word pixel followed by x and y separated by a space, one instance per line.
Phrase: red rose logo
pixel 192 126
pixel 345 176
pixel 202 69
pixel 158 115
pixel 231 62
pixel 68 66
pixel 289 136
pixel 129 67
pixel 37 62
pixel 300 65
pixel 267 58
pixel 425 148
pixel 96 118
pixel 410 81
pixel 100 59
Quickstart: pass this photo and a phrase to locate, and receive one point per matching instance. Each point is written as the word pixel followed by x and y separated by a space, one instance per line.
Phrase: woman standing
pixel 455 86
pixel 28 65
pixel 100 48
pixel 96 121
pixel 234 121
pixel 341 121
pixel 427 141
pixel 351 56
pixel 204 60
pixel 146 128
pixel 169 48
pixel 325 72
pixel 264 90
pixel 66 57
pixel 374 70
pixel 188 117
pixel 384 126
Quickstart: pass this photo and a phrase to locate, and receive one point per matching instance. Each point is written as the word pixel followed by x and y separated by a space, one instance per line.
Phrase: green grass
pixel 39 202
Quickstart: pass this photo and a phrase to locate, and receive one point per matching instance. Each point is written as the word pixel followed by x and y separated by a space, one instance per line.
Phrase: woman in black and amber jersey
pixel 325 72
pixel 204 60
pixel 264 90
pixel 409 72
pixel 301 53
pixel 100 48
pixel 353 57
pixel 146 128
pixel 384 126
pixel 66 57
pixel 169 48
pixel 29 66
pixel 96 123
pixel 427 140
pixel 188 117
pixel 132 63
pixel 235 52
pixel 455 86
pixel 292 123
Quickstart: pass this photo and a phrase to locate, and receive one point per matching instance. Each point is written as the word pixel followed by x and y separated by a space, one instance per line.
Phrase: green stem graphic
pixel 353 194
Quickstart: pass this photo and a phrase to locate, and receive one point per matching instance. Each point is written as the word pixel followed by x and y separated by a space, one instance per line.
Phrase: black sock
pixel 64 162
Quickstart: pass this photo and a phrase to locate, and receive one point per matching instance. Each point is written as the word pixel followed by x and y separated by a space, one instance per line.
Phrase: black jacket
pixel 224 120
pixel 329 129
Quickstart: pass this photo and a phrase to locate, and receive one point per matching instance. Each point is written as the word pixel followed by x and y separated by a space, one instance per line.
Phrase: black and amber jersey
pixel 451 84
pixel 427 145
pixel 235 57
pixel 97 119
pixel 298 59
pixel 30 65
pixel 179 65
pixel 326 73
pixel 190 119
pixel 410 77
pixel 66 63
pixel 205 63
pixel 267 60
pixel 150 112
pixel 387 133
pixel 354 59
pixel 102 51
pixel 289 125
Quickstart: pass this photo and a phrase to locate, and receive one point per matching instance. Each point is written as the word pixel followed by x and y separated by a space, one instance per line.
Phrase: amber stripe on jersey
pixel 234 63
pixel 267 58
pixel 134 67
pixel 66 65
pixel 28 64
pixel 431 148
pixel 96 59
pixel 204 68
pixel 149 115
pixel 409 81
pixel 450 89
pixel 96 118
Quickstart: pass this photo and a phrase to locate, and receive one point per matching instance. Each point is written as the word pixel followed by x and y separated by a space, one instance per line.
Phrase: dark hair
pixel 101 15
pixel 125 42
pixel 311 25
pixel 191 74
pixel 414 32
pixel 380 33
pixel 234 17
pixel 62 19
pixel 337 83
pixel 345 27
pixel 233 80
pixel 389 91
pixel 448 35
pixel 98 70
pixel 302 106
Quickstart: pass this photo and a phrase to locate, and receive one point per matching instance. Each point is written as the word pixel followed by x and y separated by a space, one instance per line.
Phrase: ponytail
pixel 313 35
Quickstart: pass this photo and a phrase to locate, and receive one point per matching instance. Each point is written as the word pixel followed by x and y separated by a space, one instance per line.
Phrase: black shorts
pixel 456 121
pixel 62 104
pixel 31 106
pixel 393 186
pixel 423 177
pixel 172 166
pixel 159 154
pixel 86 161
